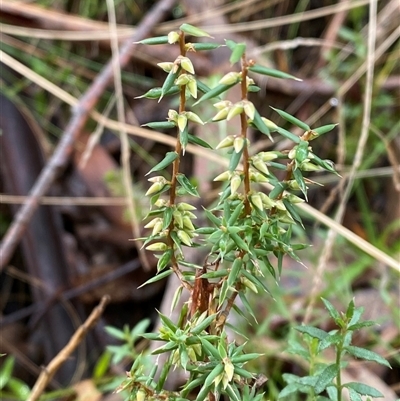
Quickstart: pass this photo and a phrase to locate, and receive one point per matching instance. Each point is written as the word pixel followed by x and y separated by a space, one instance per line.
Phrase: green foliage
pixel 324 379
pixel 11 387
pixel 248 230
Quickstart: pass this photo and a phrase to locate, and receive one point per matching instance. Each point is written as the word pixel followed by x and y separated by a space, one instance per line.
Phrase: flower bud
pixel 182 121
pixel 140 395
pixel 184 237
pixel 294 199
pixel 185 206
pixel 223 104
pixel 158 178
pixel 161 203
pixel 173 37
pixel 249 109
pixel 235 183
pixel 268 156
pixel 292 153
pixel 172 115
pixel 178 219
pixel 225 176
pixel 226 142
pixel 255 176
pixel 167 66
pixel 267 201
pixel 192 86
pixel 249 81
pixel 250 285
pixel 183 79
pixel 307 166
pixel 230 78
pixel 256 201
pixel 187 223
pixel 238 143
pixel 259 164
pixel 292 184
pixel 156 187
pixel 194 117
pixel 280 205
pixel 221 115
pixel 157 247
pixel 270 125
pixel 157 227
pixel 152 223
pixel 190 215
pixel 187 65
pixel 236 109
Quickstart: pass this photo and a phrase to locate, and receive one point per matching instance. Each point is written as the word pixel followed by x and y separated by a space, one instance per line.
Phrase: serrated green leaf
pixel 221 88
pixel 325 378
pixel 259 69
pixel 312 331
pixel 363 389
pixel 350 309
pixel 158 277
pixel 160 125
pixel 357 326
pixel 293 120
pixel 366 354
pixel 158 40
pixel 332 311
pixel 194 31
pixel 237 53
pixel 354 396
pixel 186 184
pixel 169 158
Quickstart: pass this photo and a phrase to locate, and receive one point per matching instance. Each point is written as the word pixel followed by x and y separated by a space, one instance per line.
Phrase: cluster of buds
pixel 228 110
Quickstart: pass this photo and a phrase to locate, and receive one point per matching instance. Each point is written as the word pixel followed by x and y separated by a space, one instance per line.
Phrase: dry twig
pixel 49 371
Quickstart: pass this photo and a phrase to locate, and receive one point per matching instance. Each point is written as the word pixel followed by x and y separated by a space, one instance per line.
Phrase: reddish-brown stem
pixel 243 124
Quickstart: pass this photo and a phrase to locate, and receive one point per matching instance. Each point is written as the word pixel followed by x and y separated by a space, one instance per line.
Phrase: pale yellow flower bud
pixel 173 37
pixel 230 78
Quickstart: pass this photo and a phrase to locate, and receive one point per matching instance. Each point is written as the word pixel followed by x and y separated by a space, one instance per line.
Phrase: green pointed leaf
pixel 202 87
pixel 158 125
pixel 255 280
pixel 235 214
pixel 186 184
pixel 325 378
pixel 300 180
pixel 235 160
pixel 194 31
pixel 214 219
pixel 354 396
pixel 324 129
pixel 155 93
pixel 312 331
pixel 335 315
pixel 261 126
pixel 158 277
pixel 210 349
pixel 169 82
pixel 247 305
pixel 168 159
pixel 350 309
pixel 205 46
pixel 197 141
pixel 158 40
pixel 231 44
pixel 116 333
pixel 367 355
pixel 293 212
pixel 221 88
pixel 288 135
pixel 164 260
pixel 235 271
pixel 184 138
pixel 259 69
pixel 357 326
pixel 363 389
pixel 237 53
pixel 293 120
pixel 253 88
pixel 278 189
pixel 216 274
